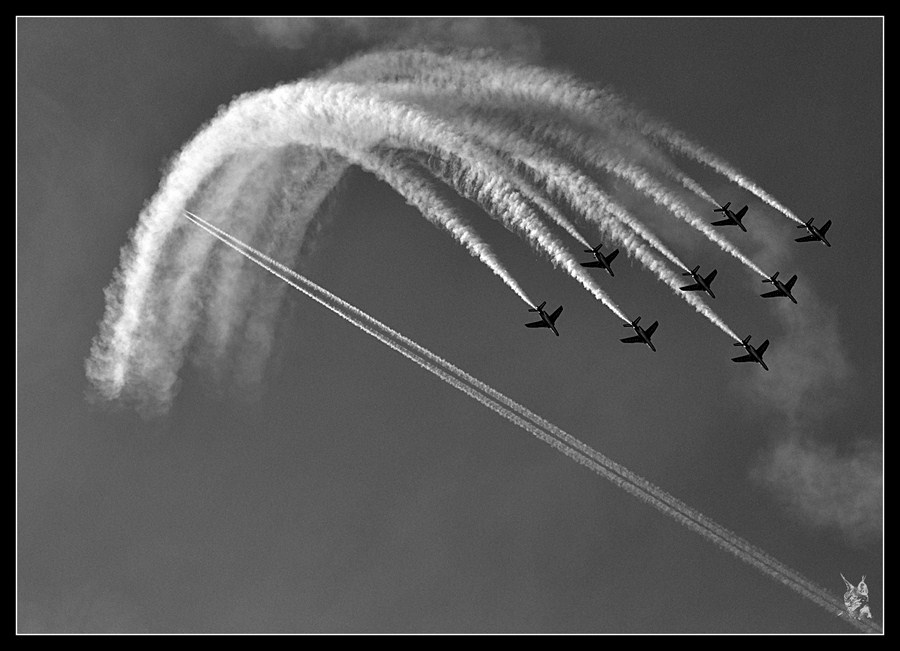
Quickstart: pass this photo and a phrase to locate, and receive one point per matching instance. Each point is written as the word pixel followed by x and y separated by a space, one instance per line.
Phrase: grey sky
pixel 354 492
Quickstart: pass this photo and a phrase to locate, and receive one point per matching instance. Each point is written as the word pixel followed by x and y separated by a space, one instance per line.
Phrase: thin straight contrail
pixel 552 435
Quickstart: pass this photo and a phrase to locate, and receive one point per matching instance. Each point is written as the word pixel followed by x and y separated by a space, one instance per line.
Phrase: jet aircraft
pixel 547 320
pixel 702 284
pixel 815 234
pixel 781 289
pixel 731 218
pixel 601 261
pixel 754 354
pixel 642 336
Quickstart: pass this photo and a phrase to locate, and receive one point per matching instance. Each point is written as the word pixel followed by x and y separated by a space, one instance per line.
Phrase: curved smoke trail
pixel 325 116
pixel 550 434
pixel 514 87
pixel 514 138
pixel 413 185
pixel 456 89
pixel 543 88
pixel 681 143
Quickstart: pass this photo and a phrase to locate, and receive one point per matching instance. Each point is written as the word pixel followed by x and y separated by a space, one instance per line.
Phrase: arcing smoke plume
pixel 236 167
pixel 540 428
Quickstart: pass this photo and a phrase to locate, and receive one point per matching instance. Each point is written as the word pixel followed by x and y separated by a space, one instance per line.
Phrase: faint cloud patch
pixel 810 362
pixel 826 488
pixel 336 37
pixel 822 486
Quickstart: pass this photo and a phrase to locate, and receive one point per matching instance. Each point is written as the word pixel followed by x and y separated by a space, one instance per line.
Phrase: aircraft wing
pixel 612 256
pixel 808 238
pixel 696 287
pixel 556 313
pixel 536 324
pixel 789 284
pixel 651 329
pixel 773 293
pixel 711 276
pixel 632 340
pixel 743 358
pixel 741 213
pixel 723 222
pixel 591 264
pixel 825 228
pixel 762 348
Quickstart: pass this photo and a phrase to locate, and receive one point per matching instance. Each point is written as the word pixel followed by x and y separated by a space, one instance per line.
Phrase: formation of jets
pixel 816 234
pixel 700 284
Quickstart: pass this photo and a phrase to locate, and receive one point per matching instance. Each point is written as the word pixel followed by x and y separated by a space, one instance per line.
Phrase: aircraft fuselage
pixel 546 319
pixel 643 335
pixel 700 281
pixel 755 355
pixel 780 286
pixel 815 231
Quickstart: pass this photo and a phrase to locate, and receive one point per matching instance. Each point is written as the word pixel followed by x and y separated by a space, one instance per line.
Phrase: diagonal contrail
pixel 552 435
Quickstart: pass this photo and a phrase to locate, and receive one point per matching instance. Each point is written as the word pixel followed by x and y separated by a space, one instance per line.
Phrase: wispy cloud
pixel 827 488
pixel 335 37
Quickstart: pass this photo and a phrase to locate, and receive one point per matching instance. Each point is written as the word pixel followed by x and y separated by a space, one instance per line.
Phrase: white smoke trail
pixel 279 222
pixel 566 444
pixel 443 95
pixel 406 180
pixel 549 91
pixel 681 143
pixel 593 204
pixel 514 86
pixel 321 115
pixel 583 194
pixel 500 198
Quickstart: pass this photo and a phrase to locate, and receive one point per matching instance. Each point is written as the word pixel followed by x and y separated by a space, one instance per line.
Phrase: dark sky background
pixel 355 492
